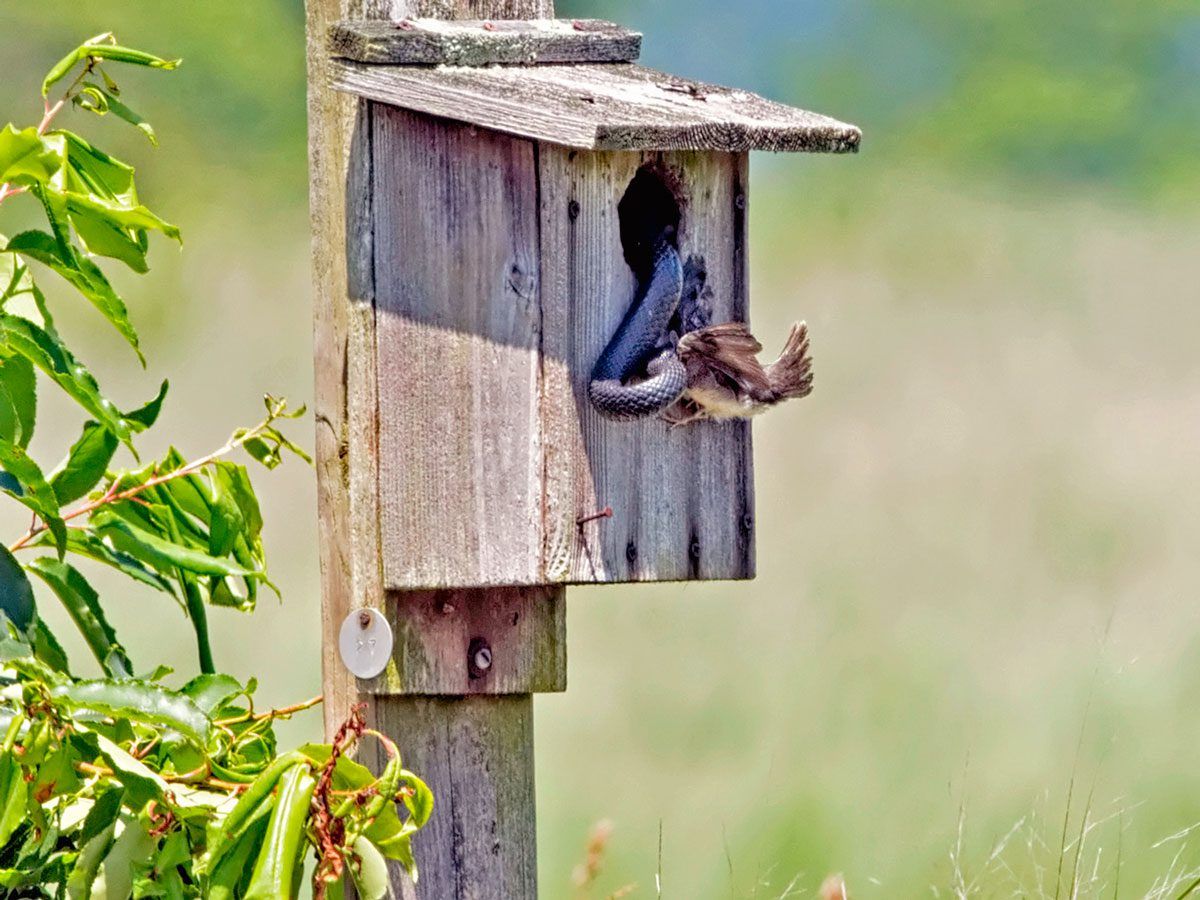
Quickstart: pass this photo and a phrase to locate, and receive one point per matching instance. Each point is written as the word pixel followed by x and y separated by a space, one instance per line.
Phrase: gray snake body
pixel 641 344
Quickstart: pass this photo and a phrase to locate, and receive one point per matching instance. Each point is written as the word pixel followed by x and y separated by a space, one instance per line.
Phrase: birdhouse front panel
pixel 681 494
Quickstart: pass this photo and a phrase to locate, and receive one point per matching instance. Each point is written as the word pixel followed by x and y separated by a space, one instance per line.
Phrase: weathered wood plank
pixel 615 106
pixel 476 753
pixel 682 498
pixel 479 43
pixel 457 330
pixel 441 634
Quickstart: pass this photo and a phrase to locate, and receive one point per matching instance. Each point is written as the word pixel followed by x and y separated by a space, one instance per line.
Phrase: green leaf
pixel 47 648
pixel 46 351
pixel 26 157
pixel 371 873
pixel 147 415
pixel 163 554
pixel 254 803
pixel 272 878
pixel 142 784
pixel 13 792
pixel 18 400
pixel 88 544
pixel 34 491
pixel 114 105
pixel 93 49
pixel 134 844
pixel 234 869
pixel 87 865
pixel 138 701
pixel 83 274
pixel 83 606
pixel 16 594
pixel 85 465
pixel 212 692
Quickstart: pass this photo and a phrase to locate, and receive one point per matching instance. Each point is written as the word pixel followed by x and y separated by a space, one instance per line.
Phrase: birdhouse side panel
pixel 457 346
pixel 681 497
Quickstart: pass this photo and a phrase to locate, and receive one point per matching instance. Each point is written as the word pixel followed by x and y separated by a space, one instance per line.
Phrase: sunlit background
pixel 978 541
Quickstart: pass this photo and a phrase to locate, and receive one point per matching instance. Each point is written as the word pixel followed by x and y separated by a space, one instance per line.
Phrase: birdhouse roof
pixel 566 83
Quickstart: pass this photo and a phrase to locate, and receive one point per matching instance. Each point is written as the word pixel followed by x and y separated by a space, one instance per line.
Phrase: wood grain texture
pixel 438 632
pixel 682 498
pixel 458 329
pixel 476 753
pixel 479 43
pixel 614 106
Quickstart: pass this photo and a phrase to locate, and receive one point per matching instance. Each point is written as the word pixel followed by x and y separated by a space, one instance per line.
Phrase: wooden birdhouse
pixel 508 168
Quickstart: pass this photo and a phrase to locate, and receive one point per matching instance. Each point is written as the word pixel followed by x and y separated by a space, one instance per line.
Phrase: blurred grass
pixel 977 540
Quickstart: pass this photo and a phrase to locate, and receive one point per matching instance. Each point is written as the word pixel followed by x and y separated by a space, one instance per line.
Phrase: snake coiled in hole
pixel 641 345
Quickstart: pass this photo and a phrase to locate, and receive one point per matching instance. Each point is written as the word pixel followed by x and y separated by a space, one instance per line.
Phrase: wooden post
pixel 472 741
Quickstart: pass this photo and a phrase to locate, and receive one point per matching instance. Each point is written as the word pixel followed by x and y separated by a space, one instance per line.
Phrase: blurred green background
pixel 978 540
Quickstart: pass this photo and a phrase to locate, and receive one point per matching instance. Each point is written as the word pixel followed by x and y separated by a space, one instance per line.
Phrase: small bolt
pixel 364 619
pixel 573 210
pixel 694 549
pixel 740 201
pixel 479 658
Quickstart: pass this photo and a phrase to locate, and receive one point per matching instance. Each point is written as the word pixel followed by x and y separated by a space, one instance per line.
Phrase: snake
pixel 641 344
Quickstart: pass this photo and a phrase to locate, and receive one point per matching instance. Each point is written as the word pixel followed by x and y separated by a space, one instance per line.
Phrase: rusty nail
pixel 405 25
pixel 489 26
pixel 364 619
pixel 447 608
pixel 577 25
pixel 605 513
pixel 479 658
pixel 740 201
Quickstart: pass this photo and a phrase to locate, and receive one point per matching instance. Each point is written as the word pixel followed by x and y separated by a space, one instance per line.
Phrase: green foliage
pixel 122 785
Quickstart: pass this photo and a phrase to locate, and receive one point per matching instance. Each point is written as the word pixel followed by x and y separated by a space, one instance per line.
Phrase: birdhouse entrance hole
pixel 648 208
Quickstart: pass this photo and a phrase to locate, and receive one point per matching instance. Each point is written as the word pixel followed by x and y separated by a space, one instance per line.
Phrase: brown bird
pixel 725 379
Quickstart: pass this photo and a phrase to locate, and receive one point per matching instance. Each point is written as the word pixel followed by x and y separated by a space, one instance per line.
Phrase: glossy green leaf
pixel 46 351
pixel 232 874
pixel 141 783
pixel 159 552
pixel 85 465
pixel 33 491
pixel 272 878
pixel 212 692
pixel 83 605
pixel 13 792
pixel 133 845
pixel 16 594
pixel 26 157
pixel 90 545
pixel 18 400
pixel 147 415
pixel 47 648
pixel 138 701
pixel 369 871
pixel 255 802
pixel 83 274
pixel 87 864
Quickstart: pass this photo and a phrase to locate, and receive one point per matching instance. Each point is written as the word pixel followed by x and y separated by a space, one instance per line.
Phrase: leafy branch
pixel 123 780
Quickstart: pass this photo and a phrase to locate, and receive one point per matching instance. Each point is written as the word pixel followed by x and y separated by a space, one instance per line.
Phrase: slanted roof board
pixel 606 106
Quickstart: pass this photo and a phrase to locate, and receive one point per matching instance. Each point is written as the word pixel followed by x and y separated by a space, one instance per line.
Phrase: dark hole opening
pixel 648 209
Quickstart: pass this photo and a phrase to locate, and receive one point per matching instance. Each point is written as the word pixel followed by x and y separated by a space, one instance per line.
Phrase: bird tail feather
pixel 791 375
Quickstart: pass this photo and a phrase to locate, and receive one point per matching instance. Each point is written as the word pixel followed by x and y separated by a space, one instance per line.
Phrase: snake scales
pixel 642 344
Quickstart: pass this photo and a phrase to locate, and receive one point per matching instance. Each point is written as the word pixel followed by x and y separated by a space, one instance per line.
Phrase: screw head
pixel 479 658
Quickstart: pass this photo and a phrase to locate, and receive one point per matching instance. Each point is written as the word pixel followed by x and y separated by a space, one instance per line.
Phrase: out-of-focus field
pixel 978 540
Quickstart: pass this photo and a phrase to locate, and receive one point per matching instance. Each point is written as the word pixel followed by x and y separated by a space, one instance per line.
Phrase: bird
pixel 725 380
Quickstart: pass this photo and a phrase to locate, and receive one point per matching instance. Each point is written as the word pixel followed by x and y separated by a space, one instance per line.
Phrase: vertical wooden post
pixel 470 737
